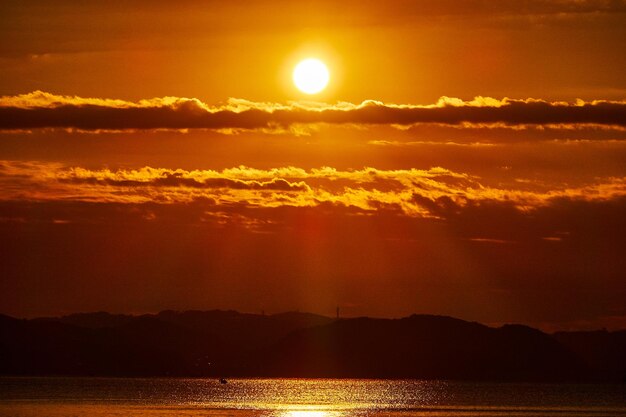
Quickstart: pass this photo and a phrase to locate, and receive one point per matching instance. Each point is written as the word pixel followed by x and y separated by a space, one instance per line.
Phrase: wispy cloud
pixel 432 193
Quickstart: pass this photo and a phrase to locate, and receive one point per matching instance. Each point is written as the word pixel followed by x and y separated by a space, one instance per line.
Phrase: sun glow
pixel 311 76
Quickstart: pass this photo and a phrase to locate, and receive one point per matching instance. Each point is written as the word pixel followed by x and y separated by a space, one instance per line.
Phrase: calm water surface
pixel 82 397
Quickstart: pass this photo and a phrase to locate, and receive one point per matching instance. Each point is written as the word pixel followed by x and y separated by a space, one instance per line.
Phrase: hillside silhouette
pixel 228 343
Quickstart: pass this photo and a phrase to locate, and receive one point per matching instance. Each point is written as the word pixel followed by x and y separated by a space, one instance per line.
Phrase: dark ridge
pixel 421 347
pixel 294 344
pixel 92 320
pixel 602 351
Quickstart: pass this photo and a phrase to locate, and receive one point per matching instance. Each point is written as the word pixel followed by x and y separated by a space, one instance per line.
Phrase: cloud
pixel 178 179
pixel 433 193
pixel 43 110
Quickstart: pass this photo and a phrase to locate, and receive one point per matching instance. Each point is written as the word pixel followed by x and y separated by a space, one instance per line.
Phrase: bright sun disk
pixel 310 76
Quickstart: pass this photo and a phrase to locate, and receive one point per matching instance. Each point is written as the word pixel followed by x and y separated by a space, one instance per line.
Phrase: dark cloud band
pixel 178 113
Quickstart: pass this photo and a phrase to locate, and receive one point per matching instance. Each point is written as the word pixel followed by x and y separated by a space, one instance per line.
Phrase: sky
pixel 467 158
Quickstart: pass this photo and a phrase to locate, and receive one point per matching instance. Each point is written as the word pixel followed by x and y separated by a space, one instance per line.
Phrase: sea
pixel 168 397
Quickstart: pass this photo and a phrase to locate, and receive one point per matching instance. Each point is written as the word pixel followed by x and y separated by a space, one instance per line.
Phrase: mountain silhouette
pixel 422 346
pixel 602 351
pixel 218 343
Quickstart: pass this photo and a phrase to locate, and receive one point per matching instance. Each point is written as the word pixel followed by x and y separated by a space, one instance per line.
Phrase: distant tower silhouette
pixel 337 312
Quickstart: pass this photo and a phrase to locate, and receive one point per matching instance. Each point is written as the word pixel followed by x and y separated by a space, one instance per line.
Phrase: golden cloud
pixel 410 192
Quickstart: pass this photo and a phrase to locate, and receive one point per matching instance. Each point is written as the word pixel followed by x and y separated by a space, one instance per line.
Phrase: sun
pixel 311 76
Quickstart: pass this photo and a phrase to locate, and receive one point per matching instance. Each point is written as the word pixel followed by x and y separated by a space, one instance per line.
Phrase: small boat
pixel 223 381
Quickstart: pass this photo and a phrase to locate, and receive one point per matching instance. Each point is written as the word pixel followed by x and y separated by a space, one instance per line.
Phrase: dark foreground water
pixel 82 397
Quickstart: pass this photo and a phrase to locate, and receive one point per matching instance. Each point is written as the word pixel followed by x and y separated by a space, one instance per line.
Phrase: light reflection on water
pixel 305 413
pixel 99 397
pixel 325 394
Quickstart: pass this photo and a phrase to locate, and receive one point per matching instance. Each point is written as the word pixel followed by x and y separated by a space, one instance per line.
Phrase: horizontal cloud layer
pixel 44 110
pixel 432 193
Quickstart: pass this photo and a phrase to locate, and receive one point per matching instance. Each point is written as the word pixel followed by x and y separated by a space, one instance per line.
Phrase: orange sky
pixel 468 158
